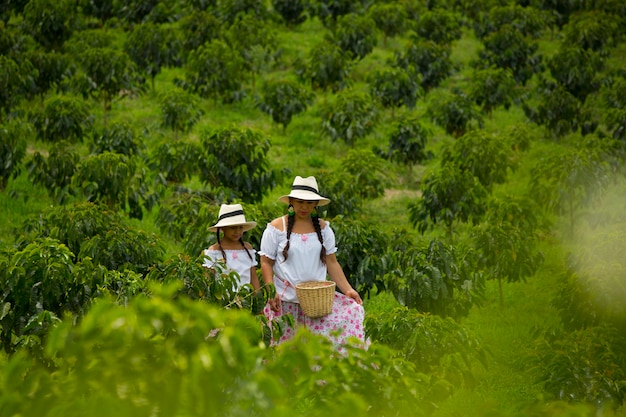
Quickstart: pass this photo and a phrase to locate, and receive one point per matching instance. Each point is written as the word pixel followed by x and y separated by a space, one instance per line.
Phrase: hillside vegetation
pixel 473 153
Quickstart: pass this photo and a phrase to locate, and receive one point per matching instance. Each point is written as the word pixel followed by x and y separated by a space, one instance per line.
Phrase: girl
pixel 237 255
pixel 300 247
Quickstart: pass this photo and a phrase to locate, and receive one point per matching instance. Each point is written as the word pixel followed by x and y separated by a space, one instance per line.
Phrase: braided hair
pixel 219 244
pixel 318 230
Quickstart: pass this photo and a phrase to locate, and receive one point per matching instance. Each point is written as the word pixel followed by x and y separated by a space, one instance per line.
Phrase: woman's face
pixel 303 208
pixel 233 232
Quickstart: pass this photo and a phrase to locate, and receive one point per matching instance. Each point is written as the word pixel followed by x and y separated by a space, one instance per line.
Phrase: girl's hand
pixel 275 304
pixel 354 295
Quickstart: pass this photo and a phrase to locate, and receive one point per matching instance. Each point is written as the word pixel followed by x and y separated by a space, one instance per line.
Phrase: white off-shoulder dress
pixel 303 264
pixel 236 260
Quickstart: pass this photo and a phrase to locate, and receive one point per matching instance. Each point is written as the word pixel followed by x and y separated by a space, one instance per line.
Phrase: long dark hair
pixel 318 230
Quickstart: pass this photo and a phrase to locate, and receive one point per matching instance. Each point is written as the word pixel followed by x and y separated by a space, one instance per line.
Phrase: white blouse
pixel 236 260
pixel 303 261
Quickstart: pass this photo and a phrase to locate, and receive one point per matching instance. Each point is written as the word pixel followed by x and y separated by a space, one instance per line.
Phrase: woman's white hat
pixel 232 215
pixel 305 189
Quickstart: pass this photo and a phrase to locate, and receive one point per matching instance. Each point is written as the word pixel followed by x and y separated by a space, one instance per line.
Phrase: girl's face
pixel 303 208
pixel 233 233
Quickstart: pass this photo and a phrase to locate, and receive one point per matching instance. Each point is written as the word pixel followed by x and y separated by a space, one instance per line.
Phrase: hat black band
pixel 231 214
pixel 304 188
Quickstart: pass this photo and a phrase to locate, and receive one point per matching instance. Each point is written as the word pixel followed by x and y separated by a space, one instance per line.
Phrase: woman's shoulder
pixel 278 223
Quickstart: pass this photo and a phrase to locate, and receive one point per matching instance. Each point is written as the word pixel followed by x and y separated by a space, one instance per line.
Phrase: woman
pixel 231 249
pixel 300 247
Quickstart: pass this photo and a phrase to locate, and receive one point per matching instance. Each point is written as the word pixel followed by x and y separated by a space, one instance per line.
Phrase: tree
pixel 351 116
pixel 49 21
pixel 449 195
pixel 180 110
pixel 106 72
pixel 592 30
pixel 508 48
pixel 14 135
pixel 455 112
pixel 485 156
pixel 407 142
pixel 493 87
pixel 440 26
pixel 395 87
pixel 293 12
pixel 229 10
pixel 364 170
pixel 152 47
pixel 177 160
pixel 567 181
pixel 119 137
pixel 198 28
pixel 529 21
pixel 283 99
pixel 14 82
pixel 390 19
pixel 55 172
pixel 235 158
pixel 327 67
pixel 215 70
pixel 576 70
pixel 355 34
pixel 329 11
pixel 430 60
pixel 63 118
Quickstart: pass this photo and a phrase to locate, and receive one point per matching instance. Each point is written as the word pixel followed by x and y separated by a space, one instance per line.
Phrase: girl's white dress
pixel 303 264
pixel 236 260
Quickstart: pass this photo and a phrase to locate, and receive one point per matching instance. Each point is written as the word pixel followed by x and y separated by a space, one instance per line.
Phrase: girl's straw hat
pixel 232 215
pixel 305 189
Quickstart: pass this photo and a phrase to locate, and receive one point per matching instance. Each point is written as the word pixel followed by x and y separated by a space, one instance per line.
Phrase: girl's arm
pixel 335 271
pixel 254 279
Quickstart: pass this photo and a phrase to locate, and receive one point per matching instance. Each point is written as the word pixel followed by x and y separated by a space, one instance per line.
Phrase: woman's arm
pixel 267 270
pixel 335 271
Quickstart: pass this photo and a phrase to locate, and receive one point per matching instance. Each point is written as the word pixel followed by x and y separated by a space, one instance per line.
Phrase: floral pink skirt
pixel 344 322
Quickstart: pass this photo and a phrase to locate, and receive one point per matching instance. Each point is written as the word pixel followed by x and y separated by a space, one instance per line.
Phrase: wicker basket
pixel 316 297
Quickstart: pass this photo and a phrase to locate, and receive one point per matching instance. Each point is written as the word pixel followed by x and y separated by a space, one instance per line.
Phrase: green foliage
pixel 429 59
pixel 14 135
pixel 390 19
pixel 152 47
pixel 355 34
pixel 197 28
pixel 180 110
pixel 327 67
pixel 214 70
pixel 343 194
pixel 106 177
pixel 235 158
pixel 106 72
pixel 438 279
pixel 456 112
pixel 365 171
pixel 576 70
pixel 493 87
pixel 229 10
pixel 448 195
pixel 350 117
pixel 14 81
pixel 436 345
pixel 529 21
pixel 63 118
pixel 558 110
pixel 508 48
pixel 361 246
pixel 53 68
pixel 293 12
pixel 592 30
pixel 158 350
pixel 395 87
pixel 50 21
pixel 56 171
pixel 440 26
pixel 283 99
pixel 176 161
pixel 329 11
pixel 119 137
pixel 585 366
pixel 407 142
pixel 565 182
pixel 487 157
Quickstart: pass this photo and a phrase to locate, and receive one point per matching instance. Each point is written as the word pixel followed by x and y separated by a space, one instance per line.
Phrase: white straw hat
pixel 232 215
pixel 305 189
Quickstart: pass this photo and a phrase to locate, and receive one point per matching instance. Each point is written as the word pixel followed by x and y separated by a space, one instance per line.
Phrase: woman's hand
pixel 275 304
pixel 354 295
